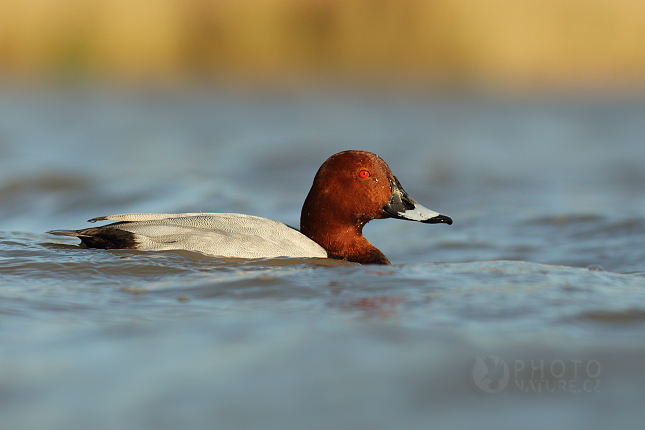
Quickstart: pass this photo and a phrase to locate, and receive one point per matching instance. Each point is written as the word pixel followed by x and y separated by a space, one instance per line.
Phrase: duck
pixel 350 189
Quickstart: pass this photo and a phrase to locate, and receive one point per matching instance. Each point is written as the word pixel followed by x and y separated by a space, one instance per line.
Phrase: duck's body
pixel 350 189
pixel 222 234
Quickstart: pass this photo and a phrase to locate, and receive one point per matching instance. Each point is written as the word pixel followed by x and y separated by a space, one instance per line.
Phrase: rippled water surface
pixel 527 312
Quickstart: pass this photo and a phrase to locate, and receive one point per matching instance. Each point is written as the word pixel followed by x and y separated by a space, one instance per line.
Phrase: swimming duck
pixel 350 189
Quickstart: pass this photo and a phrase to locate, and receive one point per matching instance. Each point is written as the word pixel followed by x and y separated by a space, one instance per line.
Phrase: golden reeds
pixel 528 43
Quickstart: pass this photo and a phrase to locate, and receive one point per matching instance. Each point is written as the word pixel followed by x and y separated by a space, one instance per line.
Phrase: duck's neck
pixel 342 242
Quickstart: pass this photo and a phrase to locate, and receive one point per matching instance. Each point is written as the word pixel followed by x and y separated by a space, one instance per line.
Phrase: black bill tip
pixel 438 220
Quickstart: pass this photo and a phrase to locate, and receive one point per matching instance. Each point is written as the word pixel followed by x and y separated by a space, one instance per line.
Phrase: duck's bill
pixel 402 206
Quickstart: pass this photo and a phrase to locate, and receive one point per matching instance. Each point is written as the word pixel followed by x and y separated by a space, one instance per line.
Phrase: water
pixel 528 311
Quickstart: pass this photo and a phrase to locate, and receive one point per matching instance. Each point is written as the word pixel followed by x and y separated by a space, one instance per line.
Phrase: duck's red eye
pixel 364 174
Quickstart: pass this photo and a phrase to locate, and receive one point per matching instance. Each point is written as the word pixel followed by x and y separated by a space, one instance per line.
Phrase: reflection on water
pixel 530 306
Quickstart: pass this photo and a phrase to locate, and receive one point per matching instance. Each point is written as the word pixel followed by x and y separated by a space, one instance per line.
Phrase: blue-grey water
pixel 527 312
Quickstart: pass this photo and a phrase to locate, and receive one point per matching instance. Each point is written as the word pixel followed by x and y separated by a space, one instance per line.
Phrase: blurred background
pixel 499 45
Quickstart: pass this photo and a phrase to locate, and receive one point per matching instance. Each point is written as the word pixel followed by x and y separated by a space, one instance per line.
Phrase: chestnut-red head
pixel 350 189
